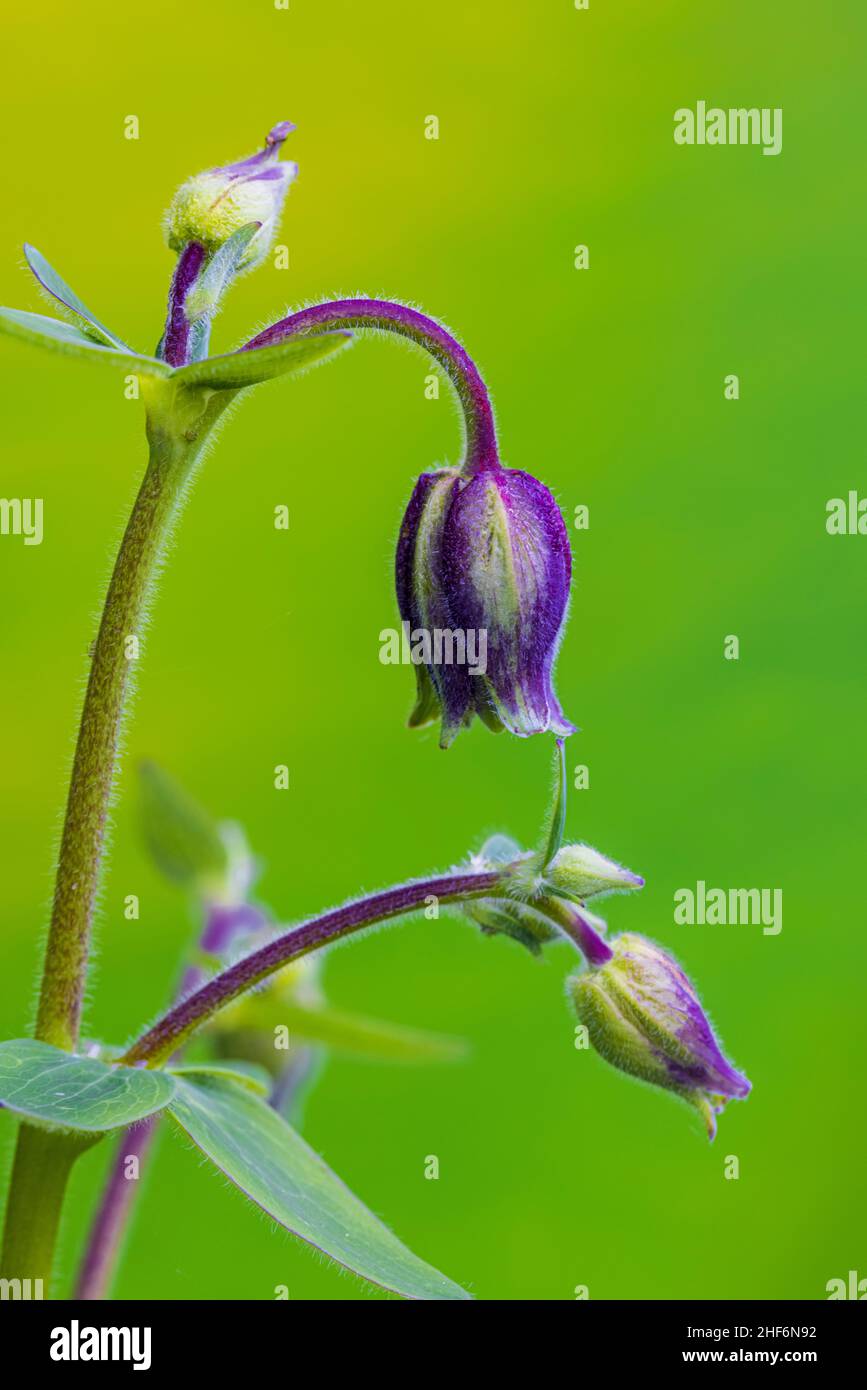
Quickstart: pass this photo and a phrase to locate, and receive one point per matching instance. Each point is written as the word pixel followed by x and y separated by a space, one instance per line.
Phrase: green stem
pixel 179 422
pixel 43 1161
pixel 174 446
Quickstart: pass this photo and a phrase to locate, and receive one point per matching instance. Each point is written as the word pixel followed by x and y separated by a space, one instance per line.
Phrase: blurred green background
pixel 707 518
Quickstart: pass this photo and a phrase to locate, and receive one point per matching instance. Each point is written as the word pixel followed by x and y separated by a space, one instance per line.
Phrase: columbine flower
pixel 644 1017
pixel 485 558
pixel 211 207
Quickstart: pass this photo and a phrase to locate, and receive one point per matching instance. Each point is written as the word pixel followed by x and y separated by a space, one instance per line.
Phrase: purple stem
pixel 291 1081
pixel 382 314
pixel 185 1018
pixel 580 928
pixel 111 1218
pixel 176 339
pixel 119 1194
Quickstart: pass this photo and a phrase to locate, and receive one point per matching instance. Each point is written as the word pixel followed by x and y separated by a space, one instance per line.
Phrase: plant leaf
pixel 212 283
pixel 353 1034
pixel 275 1168
pixel 62 337
pixel 49 279
pixel 63 1091
pixel 238 369
pixel 556 819
pixel 183 839
pixel 248 1074
pixel 370 1037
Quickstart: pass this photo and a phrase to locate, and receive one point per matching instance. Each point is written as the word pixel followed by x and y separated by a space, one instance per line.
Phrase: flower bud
pixel 210 207
pixel 185 843
pixel 483 571
pixel 510 917
pixel 644 1017
pixel 581 872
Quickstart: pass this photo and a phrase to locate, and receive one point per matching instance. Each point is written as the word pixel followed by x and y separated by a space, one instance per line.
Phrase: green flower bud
pixel 580 871
pixel 508 917
pixel 211 207
pixel 644 1017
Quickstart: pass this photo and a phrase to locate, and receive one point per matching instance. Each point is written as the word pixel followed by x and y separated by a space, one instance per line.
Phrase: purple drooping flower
pixel 482 574
pixel 644 1017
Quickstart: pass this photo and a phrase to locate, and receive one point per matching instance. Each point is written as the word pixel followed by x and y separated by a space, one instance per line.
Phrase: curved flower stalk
pixel 483 553
pixel 641 1011
pixel 285 1031
pixel 213 864
pixel 482 549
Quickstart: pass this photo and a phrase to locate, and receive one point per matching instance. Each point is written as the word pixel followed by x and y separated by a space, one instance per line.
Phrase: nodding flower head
pixel 483 570
pixel 210 207
pixel 644 1017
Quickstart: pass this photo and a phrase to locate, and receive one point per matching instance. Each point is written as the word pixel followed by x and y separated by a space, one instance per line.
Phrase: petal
pixel 507 566
pixel 423 600
pixel 256 165
pixel 661 998
pixel 488 559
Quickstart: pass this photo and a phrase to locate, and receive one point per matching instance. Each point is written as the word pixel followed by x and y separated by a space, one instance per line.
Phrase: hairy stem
pixel 382 314
pixel 115 654
pixel 109 1224
pixel 178 424
pixel 176 346
pixel 154 1046
pixel 112 1216
pixel 43 1161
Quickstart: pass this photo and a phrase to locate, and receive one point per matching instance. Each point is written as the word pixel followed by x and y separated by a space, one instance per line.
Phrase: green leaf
pixel 63 1091
pixel 49 279
pixel 62 337
pixel 245 1073
pixel 295 1083
pixel 369 1037
pixel 183 839
pixel 275 1168
pixel 556 820
pixel 238 369
pixel 205 296
pixel 521 921
pixel 347 1032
